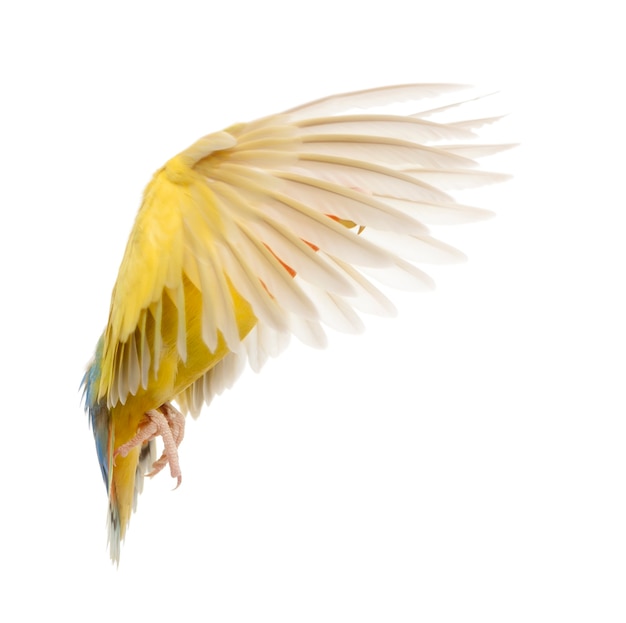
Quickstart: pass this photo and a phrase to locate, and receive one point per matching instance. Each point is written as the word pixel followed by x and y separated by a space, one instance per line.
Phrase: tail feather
pixel 126 485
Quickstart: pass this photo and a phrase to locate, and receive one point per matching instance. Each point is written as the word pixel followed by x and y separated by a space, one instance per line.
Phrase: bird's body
pixel 252 234
pixel 174 375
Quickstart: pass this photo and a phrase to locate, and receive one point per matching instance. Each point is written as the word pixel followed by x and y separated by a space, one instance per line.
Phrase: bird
pixel 276 227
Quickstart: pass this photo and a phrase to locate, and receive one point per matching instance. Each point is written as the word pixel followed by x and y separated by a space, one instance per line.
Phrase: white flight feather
pixel 370 98
pixel 378 180
pixel 308 332
pixel 416 248
pixel 334 311
pixel 478 151
pixel 389 126
pixel 451 179
pixel 474 124
pixel 367 298
pixel 383 151
pixel 440 213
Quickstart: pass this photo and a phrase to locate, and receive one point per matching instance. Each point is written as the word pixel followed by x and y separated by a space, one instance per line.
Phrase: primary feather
pixel 261 231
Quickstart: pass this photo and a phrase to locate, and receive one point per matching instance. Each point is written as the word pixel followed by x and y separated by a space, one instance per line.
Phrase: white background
pixel 462 462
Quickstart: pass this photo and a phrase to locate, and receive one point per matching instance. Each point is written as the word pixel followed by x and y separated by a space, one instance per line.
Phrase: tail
pixel 126 485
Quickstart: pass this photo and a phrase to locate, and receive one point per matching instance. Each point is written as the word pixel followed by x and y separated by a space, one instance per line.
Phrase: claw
pixel 168 423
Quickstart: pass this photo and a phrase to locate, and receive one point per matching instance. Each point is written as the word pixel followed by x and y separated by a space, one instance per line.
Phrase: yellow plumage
pixel 261 231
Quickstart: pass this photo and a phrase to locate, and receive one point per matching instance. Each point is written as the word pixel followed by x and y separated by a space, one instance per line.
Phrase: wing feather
pixel 390 126
pixel 380 181
pixel 380 150
pixel 370 98
pixel 274 227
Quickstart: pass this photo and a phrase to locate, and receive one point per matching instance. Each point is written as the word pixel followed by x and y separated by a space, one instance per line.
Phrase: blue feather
pixel 98 412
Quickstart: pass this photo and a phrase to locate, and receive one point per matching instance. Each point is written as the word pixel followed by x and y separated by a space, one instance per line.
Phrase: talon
pixel 168 423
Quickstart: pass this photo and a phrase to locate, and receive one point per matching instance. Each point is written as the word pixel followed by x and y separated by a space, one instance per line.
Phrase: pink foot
pixel 168 423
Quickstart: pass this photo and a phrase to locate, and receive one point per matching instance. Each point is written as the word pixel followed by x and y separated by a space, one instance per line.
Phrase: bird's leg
pixel 174 426
pixel 168 423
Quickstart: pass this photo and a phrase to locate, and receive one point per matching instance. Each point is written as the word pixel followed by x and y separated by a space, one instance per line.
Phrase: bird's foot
pixel 168 423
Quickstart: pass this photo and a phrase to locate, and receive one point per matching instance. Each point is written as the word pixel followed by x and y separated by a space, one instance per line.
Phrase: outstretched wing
pixel 280 224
